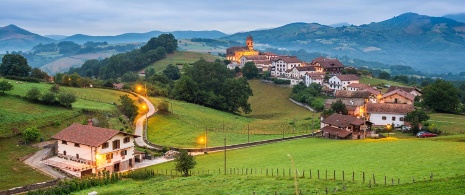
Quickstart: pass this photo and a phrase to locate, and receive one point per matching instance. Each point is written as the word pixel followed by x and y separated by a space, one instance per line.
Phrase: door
pixel 116 167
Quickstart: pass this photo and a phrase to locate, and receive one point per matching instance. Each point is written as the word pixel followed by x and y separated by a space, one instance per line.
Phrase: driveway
pixel 35 162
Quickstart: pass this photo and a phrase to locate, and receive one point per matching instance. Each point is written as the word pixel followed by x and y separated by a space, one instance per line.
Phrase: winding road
pixel 140 124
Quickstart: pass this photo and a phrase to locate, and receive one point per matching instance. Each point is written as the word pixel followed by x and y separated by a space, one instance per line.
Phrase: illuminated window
pixel 109 156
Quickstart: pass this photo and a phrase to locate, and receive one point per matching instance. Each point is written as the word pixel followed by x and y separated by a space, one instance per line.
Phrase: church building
pixel 235 53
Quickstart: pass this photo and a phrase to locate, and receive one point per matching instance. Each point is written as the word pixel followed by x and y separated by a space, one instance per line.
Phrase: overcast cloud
pixel 112 17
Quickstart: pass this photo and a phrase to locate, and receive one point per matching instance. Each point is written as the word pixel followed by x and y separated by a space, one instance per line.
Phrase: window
pixel 393 118
pixel 76 145
pixel 109 156
pixel 77 156
pixel 384 118
pixel 64 142
pixel 127 139
pixel 401 119
pixel 124 152
pixel 64 152
pixel 116 144
pixel 105 145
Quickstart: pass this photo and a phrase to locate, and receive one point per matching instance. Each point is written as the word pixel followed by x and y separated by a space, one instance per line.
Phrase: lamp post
pixel 388 127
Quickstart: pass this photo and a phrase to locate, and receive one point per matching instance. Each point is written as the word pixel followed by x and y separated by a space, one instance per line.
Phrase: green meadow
pixel 180 58
pixel 187 125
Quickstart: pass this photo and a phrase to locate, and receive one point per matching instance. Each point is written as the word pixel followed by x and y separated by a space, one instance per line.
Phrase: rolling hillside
pixel 434 44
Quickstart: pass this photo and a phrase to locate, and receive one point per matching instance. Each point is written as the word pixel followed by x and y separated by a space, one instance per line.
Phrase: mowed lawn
pixel 448 123
pixel 188 124
pixel 180 58
pixel 402 159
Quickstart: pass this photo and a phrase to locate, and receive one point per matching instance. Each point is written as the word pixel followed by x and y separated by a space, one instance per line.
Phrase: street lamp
pixel 388 127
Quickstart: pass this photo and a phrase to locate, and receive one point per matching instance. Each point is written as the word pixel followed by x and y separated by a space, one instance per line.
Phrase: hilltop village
pixel 367 106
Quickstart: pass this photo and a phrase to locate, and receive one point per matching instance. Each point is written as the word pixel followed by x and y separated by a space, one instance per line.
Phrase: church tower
pixel 249 43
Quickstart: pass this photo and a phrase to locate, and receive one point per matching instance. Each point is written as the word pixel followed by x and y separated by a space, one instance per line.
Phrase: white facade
pixel 108 156
pixel 318 79
pixel 383 119
pixel 281 66
pixel 337 84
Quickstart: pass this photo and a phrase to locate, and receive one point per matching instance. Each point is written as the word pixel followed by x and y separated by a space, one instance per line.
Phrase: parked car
pixel 424 134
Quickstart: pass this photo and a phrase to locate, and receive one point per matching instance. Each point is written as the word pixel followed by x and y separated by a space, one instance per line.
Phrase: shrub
pixel 31 134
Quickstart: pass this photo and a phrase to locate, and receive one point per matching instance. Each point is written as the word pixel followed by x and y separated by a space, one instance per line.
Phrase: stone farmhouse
pixel 84 149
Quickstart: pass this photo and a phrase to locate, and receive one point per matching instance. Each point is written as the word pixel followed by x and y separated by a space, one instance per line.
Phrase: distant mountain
pixel 340 24
pixel 423 42
pixel 56 37
pixel 458 17
pixel 13 38
pixel 143 37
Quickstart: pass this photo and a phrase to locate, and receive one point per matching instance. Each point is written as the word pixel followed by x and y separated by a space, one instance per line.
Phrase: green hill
pixel 272 113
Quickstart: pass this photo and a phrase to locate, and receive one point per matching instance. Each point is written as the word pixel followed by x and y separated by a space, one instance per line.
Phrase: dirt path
pixel 35 162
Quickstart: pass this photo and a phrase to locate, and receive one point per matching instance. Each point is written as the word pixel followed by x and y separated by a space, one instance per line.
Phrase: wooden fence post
pixel 363 177
pixel 392 181
pixel 318 174
pixel 334 175
pixel 353 176
pixel 326 174
pixel 266 171
pixel 342 175
pixel 385 180
pixel 310 173
pixel 303 173
pixel 398 181
pixel 374 180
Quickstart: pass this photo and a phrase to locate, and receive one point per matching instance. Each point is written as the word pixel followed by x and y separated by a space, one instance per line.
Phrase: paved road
pixel 140 126
pixel 35 162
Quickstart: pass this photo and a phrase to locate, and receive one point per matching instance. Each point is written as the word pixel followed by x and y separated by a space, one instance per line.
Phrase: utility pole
pixel 248 133
pixel 206 138
pixel 225 156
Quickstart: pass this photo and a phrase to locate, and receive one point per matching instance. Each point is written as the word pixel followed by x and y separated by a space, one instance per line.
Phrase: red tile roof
pixel 335 131
pixel 342 121
pixel 305 68
pixel 388 108
pixel 327 63
pixel 287 59
pixel 352 94
pixel 407 89
pixel 256 57
pixel 358 85
pixel 401 93
pixel 372 91
pixel 348 77
pixel 87 134
pixel 270 53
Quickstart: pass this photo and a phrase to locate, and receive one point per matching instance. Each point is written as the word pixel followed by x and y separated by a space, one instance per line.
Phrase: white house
pixel 381 114
pixel 340 82
pixel 281 64
pixel 299 72
pixel 317 78
pixel 232 66
pixel 85 149
pixel 261 61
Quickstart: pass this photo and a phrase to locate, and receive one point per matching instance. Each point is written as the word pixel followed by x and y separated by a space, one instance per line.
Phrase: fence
pixel 29 187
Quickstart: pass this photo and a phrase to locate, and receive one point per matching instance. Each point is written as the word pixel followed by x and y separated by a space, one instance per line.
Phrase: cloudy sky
pixel 112 17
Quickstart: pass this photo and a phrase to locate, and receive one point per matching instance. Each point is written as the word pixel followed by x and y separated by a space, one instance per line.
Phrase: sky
pixel 113 17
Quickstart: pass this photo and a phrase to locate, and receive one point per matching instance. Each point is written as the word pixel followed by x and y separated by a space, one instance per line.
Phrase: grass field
pixel 448 123
pixel 180 58
pixel 187 125
pixel 398 159
pixel 188 45
pixel 379 82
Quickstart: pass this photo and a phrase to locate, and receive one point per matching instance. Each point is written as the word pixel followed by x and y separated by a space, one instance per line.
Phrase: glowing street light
pixel 388 127
pixel 145 108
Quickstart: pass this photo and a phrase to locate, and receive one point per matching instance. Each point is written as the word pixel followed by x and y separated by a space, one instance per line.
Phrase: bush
pixel 31 134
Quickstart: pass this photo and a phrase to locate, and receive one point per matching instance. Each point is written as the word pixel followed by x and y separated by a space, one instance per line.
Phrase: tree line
pixel 115 66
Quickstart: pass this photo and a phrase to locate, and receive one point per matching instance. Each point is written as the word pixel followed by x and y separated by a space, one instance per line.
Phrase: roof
pixel 407 89
pixel 347 77
pixel 87 134
pixel 270 53
pixel 264 62
pixel 249 38
pixel 401 93
pixel 372 90
pixel 287 59
pixel 347 102
pixel 316 75
pixel 305 68
pixel 255 57
pixel 342 121
pixel 358 85
pixel 231 50
pixel 327 63
pixel 352 94
pixel 389 108
pixel 335 131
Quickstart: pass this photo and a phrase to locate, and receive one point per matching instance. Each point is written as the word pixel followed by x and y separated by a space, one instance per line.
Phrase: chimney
pixel 89 122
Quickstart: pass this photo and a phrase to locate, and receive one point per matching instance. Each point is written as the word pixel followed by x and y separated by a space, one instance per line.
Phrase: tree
pixel 55 88
pixel 66 99
pixel 14 65
pixel 163 107
pixel 172 72
pixel 127 106
pixel 58 78
pixel 184 162
pixel 49 98
pixel 237 92
pixel 39 74
pixel 149 72
pixel 384 75
pixel 415 118
pixel 33 94
pixel 339 107
pixel 129 77
pixel 441 96
pixel 249 70
pixel 31 134
pixel 5 86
